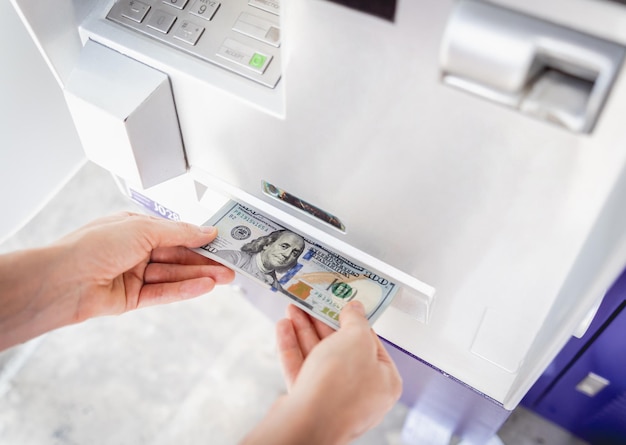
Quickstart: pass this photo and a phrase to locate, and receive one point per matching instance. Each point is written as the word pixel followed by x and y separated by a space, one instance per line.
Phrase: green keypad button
pixel 257 60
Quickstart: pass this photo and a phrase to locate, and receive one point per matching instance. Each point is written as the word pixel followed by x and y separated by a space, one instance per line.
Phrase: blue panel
pixel 455 407
pixel 600 419
pixel 569 354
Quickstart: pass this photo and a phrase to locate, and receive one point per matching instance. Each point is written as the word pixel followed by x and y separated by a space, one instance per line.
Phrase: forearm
pixel 34 296
pixel 291 422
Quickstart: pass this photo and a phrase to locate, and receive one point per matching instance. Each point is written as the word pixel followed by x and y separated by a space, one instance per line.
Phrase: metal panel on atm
pixel 515 221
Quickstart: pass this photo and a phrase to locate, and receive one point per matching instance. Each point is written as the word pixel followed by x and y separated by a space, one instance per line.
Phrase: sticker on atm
pixel 153 206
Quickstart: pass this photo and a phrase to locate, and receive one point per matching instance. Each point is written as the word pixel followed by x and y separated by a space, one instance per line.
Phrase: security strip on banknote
pixel 314 277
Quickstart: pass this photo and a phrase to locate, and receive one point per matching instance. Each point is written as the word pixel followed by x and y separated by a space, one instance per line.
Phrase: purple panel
pixel 568 355
pixel 466 413
pixel 601 418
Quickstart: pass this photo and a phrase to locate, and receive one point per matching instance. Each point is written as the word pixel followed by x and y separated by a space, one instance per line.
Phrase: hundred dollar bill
pixel 314 277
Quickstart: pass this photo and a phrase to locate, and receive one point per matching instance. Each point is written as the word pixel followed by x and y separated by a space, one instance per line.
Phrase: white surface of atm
pixel 474 151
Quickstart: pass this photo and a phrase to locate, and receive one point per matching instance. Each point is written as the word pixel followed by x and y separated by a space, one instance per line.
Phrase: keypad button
pixel 244 55
pixel 135 10
pixel 272 6
pixel 259 28
pixel 161 21
pixel 188 32
pixel 178 4
pixel 205 9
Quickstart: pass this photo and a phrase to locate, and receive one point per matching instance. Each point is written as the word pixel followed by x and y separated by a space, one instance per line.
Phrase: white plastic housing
pixel 516 223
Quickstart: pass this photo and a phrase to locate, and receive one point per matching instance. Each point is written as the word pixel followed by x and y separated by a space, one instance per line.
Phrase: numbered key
pixel 178 4
pixel 205 9
pixel 161 21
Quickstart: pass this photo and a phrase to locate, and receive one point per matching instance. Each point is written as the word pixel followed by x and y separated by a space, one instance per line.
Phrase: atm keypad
pixel 242 36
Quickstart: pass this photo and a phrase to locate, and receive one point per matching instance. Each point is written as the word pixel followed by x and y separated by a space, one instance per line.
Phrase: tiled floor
pixel 200 371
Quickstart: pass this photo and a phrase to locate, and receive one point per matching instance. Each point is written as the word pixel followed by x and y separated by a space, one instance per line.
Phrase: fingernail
pixel 209 230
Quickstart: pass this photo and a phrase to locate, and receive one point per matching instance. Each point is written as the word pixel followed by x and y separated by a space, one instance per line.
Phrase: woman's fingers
pixel 291 356
pixel 170 273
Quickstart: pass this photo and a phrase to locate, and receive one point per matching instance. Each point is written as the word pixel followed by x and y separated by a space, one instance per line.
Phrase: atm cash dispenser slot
pixel 414 299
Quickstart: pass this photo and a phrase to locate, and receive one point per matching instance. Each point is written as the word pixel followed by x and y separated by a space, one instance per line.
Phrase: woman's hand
pixel 340 383
pixel 112 265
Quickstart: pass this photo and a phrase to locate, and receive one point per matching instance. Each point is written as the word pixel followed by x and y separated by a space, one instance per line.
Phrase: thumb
pixel 353 314
pixel 165 233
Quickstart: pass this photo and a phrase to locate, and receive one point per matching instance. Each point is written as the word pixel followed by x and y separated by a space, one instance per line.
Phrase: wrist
pixel 36 297
pixel 293 420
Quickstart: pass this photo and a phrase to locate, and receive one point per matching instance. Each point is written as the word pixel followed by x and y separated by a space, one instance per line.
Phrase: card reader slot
pixel 303 206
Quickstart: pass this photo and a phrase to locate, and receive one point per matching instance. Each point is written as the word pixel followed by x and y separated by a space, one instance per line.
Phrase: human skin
pixel 340 383
pixel 112 265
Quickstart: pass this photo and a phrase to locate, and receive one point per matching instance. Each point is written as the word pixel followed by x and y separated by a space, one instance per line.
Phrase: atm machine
pixel 474 151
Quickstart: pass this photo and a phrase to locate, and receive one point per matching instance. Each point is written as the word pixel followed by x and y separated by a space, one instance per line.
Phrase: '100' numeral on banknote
pixel 312 276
